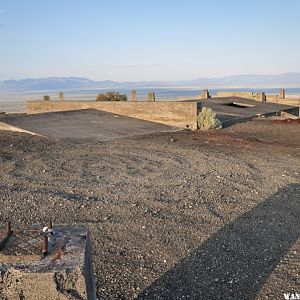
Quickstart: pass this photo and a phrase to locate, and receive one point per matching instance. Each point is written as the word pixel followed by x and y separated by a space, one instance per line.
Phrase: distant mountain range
pixel 235 81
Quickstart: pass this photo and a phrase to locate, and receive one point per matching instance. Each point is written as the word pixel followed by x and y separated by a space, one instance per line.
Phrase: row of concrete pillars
pixel 150 98
pixel 263 97
pixel 204 95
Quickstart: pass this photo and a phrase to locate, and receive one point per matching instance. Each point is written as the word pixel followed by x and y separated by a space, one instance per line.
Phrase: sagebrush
pixel 207 119
pixel 111 96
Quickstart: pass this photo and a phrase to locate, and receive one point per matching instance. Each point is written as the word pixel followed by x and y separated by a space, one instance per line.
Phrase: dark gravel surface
pixel 184 215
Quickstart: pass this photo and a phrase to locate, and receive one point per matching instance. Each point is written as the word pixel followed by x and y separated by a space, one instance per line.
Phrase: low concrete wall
pixel 273 97
pixel 286 101
pixel 249 95
pixel 180 114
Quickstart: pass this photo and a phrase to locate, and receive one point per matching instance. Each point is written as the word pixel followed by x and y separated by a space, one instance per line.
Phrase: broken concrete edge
pixel 66 273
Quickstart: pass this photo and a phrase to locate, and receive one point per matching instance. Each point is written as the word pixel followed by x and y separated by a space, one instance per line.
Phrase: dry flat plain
pixel 185 215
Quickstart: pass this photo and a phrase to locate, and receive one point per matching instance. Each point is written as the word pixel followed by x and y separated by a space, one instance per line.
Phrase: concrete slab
pixel 87 123
pixel 64 273
pixel 231 110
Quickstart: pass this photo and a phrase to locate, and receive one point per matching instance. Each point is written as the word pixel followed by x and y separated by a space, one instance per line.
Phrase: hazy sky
pixel 148 39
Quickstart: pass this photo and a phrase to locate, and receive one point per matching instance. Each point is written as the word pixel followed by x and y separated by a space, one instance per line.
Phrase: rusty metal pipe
pixel 50 227
pixel 45 244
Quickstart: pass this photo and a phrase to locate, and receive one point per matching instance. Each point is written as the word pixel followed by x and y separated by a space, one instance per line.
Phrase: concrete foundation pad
pixel 65 273
pixel 85 124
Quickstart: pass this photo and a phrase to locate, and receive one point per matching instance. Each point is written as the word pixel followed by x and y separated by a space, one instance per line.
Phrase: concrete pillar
pixel 205 94
pixel 151 97
pixel 282 94
pixel 61 96
pixel 261 97
pixel 133 96
pixel 46 98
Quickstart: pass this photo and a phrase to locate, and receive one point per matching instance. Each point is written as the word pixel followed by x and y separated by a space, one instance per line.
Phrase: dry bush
pixel 111 96
pixel 207 119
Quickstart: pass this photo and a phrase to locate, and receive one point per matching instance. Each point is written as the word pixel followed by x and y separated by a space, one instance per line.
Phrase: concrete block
pixel 282 94
pixel 61 96
pixel 133 96
pixel 64 273
pixel 261 97
pixel 151 97
pixel 205 94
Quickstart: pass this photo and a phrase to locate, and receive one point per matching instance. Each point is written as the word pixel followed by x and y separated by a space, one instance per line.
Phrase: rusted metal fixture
pixel 45 244
pixel 30 241
pixel 50 227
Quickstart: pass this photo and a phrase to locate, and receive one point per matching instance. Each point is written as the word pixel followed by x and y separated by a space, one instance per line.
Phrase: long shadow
pixel 236 261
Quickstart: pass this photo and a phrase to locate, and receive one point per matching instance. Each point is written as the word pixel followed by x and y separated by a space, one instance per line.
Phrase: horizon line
pixel 136 81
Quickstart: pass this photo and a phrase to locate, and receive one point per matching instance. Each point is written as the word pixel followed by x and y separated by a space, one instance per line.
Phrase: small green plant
pixel 207 119
pixel 111 96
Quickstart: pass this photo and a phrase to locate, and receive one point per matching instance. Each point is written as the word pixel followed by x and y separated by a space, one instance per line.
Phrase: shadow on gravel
pixel 236 261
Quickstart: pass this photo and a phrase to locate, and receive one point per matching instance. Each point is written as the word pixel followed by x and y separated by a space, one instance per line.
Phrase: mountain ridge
pixel 291 79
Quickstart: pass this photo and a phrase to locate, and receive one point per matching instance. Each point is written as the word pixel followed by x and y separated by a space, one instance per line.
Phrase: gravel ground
pixel 184 215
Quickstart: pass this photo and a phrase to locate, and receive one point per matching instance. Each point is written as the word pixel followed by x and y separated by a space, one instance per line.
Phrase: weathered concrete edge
pixel 179 114
pixel 8 127
pixel 89 270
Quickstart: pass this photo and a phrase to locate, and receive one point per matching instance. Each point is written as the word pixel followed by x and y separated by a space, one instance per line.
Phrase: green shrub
pixel 111 96
pixel 207 119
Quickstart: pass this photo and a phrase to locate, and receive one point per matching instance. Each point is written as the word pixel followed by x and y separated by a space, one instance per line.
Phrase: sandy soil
pixel 186 215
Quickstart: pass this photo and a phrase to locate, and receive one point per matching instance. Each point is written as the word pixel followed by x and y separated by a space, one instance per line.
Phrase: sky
pixel 136 40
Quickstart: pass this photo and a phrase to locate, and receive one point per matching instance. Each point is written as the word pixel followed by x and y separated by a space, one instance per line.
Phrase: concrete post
pixel 151 97
pixel 282 94
pixel 46 98
pixel 133 96
pixel 61 96
pixel 261 97
pixel 205 94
